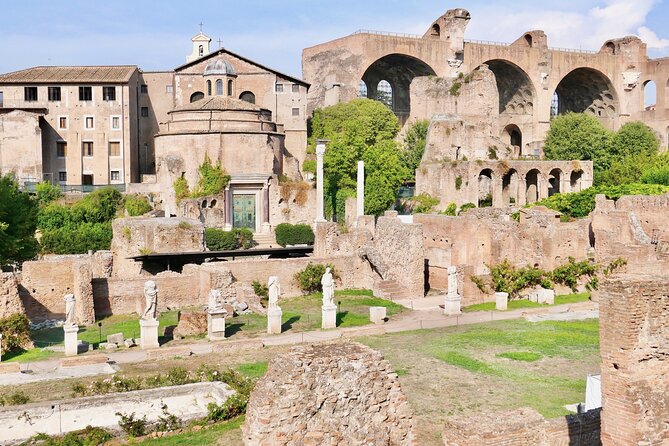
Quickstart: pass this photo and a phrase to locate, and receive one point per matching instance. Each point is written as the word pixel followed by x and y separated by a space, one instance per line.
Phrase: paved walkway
pixel 426 315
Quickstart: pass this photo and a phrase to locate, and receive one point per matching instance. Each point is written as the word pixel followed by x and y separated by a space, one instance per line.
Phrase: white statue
pixel 274 292
pixel 328 288
pixel 151 298
pixel 214 301
pixel 70 303
pixel 453 282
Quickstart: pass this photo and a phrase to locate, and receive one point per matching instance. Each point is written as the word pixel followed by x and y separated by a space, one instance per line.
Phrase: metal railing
pixel 31 186
pixel 487 42
pixel 572 50
pixel 386 33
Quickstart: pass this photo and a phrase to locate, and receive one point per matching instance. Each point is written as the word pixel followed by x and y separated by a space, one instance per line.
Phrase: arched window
pixel 200 51
pixel 196 96
pixel 436 31
pixel 248 97
pixel 384 93
pixel 610 48
pixel 649 95
pixel 229 87
pixel 362 89
pixel 208 88
pixel 219 87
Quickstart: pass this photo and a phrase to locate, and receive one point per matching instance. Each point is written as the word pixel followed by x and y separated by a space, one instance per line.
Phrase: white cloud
pixel 651 39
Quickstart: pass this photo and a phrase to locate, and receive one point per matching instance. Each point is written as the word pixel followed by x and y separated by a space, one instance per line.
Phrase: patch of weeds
pixel 464 361
pixel 131 425
pixel 521 356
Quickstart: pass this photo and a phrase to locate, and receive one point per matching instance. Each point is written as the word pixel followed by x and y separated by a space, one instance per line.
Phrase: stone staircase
pixel 389 289
pixel 265 241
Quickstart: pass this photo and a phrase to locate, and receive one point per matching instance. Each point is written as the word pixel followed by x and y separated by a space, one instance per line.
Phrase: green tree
pixel 414 146
pixel 100 206
pixel 18 221
pixel 634 138
pixel 577 136
pixel 362 129
pixel 47 192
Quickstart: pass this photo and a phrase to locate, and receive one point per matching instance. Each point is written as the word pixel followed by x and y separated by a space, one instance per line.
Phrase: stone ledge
pixel 363 331
pixel 168 352
pixel 10 367
pixel 241 344
pixel 83 360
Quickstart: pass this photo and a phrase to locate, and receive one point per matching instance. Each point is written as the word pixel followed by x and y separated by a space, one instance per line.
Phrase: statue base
pixel 501 301
pixel 452 305
pixel 377 315
pixel 329 317
pixel 149 333
pixel 71 340
pixel 274 321
pixel 216 325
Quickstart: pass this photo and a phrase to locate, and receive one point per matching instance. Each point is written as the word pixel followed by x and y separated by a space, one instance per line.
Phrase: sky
pixel 155 35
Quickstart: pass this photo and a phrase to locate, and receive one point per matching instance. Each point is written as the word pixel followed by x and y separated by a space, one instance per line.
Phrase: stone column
pixel 453 300
pixel 501 301
pixel 360 193
pixel 216 324
pixel 542 187
pixel 71 340
pixel 228 209
pixel 522 192
pixel 497 193
pixel 149 333
pixel 274 316
pixel 265 210
pixel 320 152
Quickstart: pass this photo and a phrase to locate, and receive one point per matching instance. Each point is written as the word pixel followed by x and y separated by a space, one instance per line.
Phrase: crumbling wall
pixel 291 202
pixel 634 348
pixel 353 398
pixel 522 427
pixel 10 302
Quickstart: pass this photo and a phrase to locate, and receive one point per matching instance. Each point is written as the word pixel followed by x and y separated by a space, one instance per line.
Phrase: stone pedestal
pixel 501 301
pixel 452 305
pixel 377 315
pixel 71 341
pixel 329 315
pixel 149 333
pixel 274 321
pixel 216 325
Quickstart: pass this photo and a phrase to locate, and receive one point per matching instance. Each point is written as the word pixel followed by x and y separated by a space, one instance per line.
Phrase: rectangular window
pixel 114 148
pixel 62 176
pixel 2 99
pixel 108 93
pixel 62 122
pixel 85 93
pixel 279 88
pixel 61 149
pixel 145 112
pixel 115 122
pixel 296 88
pixel 115 175
pixel 89 122
pixel 87 148
pixel 169 88
pixel 144 89
pixel 296 111
pixel 54 94
pixel 30 94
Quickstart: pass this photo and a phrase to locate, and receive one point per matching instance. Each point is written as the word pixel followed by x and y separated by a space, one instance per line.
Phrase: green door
pixel 244 211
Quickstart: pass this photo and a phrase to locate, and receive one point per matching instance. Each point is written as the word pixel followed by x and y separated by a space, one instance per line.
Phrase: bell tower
pixel 200 46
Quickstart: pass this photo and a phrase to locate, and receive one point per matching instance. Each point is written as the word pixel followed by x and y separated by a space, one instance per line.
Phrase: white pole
pixel 320 152
pixel 360 194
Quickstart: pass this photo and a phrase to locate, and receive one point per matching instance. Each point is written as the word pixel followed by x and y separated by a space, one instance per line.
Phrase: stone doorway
pixel 244 211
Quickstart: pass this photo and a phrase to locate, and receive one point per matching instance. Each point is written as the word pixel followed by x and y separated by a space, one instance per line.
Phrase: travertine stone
pixel 377 315
pixel 274 321
pixel 71 341
pixel 149 333
pixel 501 301
pixel 216 324
pixel 116 338
pixel 329 317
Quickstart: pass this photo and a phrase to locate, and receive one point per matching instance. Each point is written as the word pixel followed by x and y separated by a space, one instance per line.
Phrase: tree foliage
pixel 137 205
pixel 18 219
pixel 220 240
pixel 577 136
pixel 634 138
pixel 47 192
pixel 212 178
pixel 287 234
pixel 414 146
pixel 362 129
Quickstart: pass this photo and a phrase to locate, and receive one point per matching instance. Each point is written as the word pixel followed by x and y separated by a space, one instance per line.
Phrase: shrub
pixel 178 376
pixel 181 189
pixel 451 210
pixel 656 175
pixel 14 399
pixel 53 216
pixel 424 203
pixel 47 192
pixel 137 205
pixel 219 240
pixel 133 427
pixel 15 331
pixel 100 206
pixel 287 234
pixel 492 153
pixel 465 207
pixel 260 289
pixel 168 422
pixel 309 165
pixel 77 239
pixel 570 273
pixel 213 179
pixel 458 183
pixel 309 279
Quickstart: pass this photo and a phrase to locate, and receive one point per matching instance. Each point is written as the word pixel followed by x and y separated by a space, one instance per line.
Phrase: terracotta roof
pixel 69 75
pixel 218 103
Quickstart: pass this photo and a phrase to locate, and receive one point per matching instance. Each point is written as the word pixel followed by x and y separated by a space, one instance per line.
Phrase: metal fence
pixel 31 186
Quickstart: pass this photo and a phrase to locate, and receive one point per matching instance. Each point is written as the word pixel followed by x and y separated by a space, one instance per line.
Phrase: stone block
pixel 159 354
pixel 149 333
pixel 545 296
pixel 501 301
pixel 10 367
pixel 191 323
pixel 216 325
pixel 377 315
pixel 110 346
pixel 274 321
pixel 83 360
pixel 71 341
pixel 329 317
pixel 129 342
pixel 116 338
pixel 452 306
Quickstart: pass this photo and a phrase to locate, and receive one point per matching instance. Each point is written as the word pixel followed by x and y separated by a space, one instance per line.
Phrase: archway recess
pixel 586 90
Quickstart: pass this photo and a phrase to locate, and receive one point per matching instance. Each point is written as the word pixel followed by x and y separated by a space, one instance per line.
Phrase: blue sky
pixel 156 34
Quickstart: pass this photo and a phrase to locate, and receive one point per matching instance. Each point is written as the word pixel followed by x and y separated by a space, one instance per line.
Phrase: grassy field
pixel 493 366
pixel 225 433
pixel 523 303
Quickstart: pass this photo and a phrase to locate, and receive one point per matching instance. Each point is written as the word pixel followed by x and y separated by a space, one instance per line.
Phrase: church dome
pixel 220 67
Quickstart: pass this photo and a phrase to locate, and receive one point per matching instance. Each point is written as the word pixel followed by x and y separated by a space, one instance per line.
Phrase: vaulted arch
pixel 586 90
pixel 516 92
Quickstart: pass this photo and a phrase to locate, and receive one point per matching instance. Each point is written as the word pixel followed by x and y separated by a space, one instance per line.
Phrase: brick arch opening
pixel 485 188
pixel 510 188
pixel 586 90
pixel 532 179
pixel 555 179
pixel 398 70
pixel 516 92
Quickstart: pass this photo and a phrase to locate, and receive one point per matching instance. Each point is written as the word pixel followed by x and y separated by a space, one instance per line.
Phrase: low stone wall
pixel 328 395
pixel 10 302
pixel 522 427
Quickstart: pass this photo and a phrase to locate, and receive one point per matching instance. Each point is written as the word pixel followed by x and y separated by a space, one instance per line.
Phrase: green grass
pixel 128 324
pixel 253 369
pixel 524 303
pixel 205 437
pixel 521 356
pixel 32 355
pixel 464 361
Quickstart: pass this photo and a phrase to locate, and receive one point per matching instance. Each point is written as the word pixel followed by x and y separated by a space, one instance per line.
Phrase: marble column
pixel 320 152
pixel 228 209
pixel 265 210
pixel 360 193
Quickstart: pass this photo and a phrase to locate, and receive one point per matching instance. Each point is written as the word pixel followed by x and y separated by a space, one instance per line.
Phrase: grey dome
pixel 220 67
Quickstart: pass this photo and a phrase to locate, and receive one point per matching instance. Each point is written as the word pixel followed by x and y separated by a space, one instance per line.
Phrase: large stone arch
pixel 399 70
pixel 587 90
pixel 516 91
